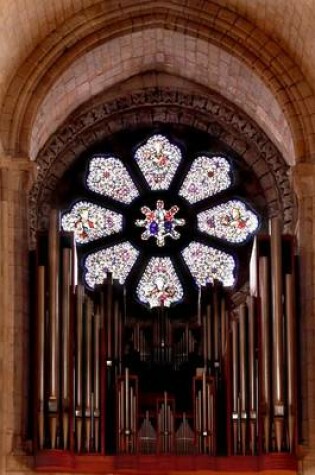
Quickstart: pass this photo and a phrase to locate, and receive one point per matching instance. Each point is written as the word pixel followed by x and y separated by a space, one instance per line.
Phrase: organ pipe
pixel 79 355
pixel 235 370
pixel 216 319
pixel 53 245
pixel 77 376
pixel 41 350
pixel 109 315
pixel 265 346
pixel 96 392
pixel 66 284
pixel 207 332
pixel 291 348
pixel 251 372
pixel 223 327
pixel 88 372
pixel 243 372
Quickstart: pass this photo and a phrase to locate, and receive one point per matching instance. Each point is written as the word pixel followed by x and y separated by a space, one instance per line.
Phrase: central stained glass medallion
pixel 160 223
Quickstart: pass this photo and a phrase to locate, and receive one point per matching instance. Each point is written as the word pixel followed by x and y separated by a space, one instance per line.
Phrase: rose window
pixel 157 216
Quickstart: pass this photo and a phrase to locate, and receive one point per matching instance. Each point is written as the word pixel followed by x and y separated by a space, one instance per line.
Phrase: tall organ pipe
pixel 291 351
pixel 41 350
pixel 235 366
pixel 66 283
pixel 88 380
pixel 243 372
pixel 79 349
pixel 96 389
pixel 265 346
pixel 251 371
pixel 53 244
pixel 216 322
pixel 277 329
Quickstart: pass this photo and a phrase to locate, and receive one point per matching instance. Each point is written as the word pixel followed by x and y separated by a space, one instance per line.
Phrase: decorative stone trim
pixel 153 106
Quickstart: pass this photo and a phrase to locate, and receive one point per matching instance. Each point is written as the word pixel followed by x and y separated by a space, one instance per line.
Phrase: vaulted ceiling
pixel 56 55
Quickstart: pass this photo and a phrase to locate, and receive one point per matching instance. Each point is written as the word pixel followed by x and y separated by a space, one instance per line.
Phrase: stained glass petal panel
pixel 159 284
pixel 207 264
pixel 207 177
pixel 118 260
pixel 89 222
pixel 109 177
pixel 232 221
pixel 158 160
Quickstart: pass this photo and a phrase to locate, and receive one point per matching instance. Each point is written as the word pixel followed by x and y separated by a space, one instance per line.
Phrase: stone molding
pixel 154 106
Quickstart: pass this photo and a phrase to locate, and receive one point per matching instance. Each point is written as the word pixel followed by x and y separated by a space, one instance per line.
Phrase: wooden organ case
pixel 215 392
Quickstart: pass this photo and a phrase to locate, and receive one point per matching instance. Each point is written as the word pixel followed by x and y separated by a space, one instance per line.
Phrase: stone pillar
pixel 304 186
pixel 16 175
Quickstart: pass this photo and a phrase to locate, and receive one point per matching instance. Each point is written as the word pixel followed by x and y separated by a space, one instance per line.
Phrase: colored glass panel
pixel 231 221
pixel 206 177
pixel 158 160
pixel 159 284
pixel 160 223
pixel 118 260
pixel 109 177
pixel 89 222
pixel 207 264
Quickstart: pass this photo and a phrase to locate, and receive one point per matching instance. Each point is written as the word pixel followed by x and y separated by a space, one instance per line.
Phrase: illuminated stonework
pixel 89 222
pixel 160 223
pixel 231 221
pixel 207 264
pixel 159 284
pixel 158 160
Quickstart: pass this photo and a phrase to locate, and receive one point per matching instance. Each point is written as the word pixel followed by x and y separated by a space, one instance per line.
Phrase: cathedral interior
pixel 157 262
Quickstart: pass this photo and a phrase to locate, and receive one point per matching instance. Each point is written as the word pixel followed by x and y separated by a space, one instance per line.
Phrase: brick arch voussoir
pixel 216 24
pixel 153 106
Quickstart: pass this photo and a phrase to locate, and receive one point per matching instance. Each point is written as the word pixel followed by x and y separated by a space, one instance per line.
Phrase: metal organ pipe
pixel 79 348
pixel 96 388
pixel 66 284
pixel 291 349
pixel 88 376
pixel 53 244
pixel 235 369
pixel 243 372
pixel 277 329
pixel 251 372
pixel 216 324
pixel 41 351
pixel 265 345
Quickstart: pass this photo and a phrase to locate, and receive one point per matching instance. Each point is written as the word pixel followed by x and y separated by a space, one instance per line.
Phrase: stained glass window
pixel 109 177
pixel 158 160
pixel 179 230
pixel 159 284
pixel 208 264
pixel 118 260
pixel 206 177
pixel 231 221
pixel 160 223
pixel 89 222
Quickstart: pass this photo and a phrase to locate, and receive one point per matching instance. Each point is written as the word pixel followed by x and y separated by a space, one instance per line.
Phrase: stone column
pixel 304 185
pixel 16 175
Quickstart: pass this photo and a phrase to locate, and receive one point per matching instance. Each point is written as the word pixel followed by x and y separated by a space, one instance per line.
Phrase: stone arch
pixel 215 24
pixel 152 106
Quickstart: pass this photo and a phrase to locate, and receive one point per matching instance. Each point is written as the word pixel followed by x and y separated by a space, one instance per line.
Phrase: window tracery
pixel 157 162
